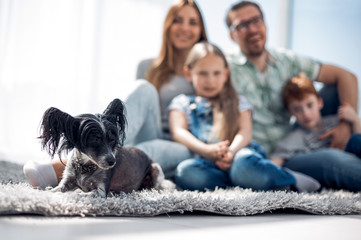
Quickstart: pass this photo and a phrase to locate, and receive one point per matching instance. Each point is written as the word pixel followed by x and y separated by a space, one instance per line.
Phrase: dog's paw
pixel 100 193
pixel 55 189
pixel 59 188
pixel 95 193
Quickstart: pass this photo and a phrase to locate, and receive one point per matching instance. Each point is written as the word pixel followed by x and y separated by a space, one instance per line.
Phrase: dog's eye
pixel 112 135
pixel 96 140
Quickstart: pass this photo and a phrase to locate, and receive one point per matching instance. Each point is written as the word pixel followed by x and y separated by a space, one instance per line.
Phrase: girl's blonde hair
pixel 163 65
pixel 226 102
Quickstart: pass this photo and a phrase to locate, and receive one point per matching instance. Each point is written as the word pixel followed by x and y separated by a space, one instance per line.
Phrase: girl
pixel 215 124
pixel 147 102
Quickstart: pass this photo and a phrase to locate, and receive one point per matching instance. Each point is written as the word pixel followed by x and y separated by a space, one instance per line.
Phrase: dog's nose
pixel 111 162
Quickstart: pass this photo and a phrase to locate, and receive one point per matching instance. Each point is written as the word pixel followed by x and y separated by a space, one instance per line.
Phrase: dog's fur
pixel 98 162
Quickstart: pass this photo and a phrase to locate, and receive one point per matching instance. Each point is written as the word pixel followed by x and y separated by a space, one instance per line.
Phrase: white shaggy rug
pixel 17 197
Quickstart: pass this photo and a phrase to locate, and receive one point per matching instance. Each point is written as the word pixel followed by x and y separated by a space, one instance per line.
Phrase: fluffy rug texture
pixel 17 197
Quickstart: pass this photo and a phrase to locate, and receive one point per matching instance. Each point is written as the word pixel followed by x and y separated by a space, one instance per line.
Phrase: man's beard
pixel 256 53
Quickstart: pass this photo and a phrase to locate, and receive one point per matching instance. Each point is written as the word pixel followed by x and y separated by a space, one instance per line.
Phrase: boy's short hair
pixel 297 88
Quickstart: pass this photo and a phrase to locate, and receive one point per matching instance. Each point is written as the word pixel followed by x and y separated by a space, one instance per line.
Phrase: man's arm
pixel 348 93
pixel 346 83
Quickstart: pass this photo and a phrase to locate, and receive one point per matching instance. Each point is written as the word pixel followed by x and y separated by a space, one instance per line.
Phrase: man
pixel 259 74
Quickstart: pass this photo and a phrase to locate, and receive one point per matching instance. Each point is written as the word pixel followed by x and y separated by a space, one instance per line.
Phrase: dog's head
pixel 96 137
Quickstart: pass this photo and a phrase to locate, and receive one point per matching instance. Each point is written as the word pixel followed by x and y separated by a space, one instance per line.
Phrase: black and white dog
pixel 98 162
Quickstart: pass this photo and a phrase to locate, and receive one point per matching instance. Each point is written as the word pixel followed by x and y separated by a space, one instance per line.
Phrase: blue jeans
pixel 144 129
pixel 250 169
pixel 333 168
pixel 354 145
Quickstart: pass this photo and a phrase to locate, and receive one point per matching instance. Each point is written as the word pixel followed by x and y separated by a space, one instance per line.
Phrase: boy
pixel 304 103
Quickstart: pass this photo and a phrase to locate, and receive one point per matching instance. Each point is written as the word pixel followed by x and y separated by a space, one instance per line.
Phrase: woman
pixel 183 27
pixel 146 105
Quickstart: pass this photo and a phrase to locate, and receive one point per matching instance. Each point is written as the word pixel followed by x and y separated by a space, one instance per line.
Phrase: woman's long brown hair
pixel 163 65
pixel 226 102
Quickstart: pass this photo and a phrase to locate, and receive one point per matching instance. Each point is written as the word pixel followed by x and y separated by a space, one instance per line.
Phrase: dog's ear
pixel 55 125
pixel 115 112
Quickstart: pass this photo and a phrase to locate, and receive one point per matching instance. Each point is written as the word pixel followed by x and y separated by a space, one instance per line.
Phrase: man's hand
pixel 347 113
pixel 339 135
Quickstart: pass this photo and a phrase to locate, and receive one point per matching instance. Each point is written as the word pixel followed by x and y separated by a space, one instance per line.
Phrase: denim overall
pixel 201 119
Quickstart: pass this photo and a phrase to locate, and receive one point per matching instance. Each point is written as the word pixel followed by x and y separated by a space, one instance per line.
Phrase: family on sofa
pixel 212 120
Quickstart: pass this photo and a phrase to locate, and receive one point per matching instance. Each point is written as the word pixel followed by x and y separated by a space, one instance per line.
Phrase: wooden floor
pixel 200 226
